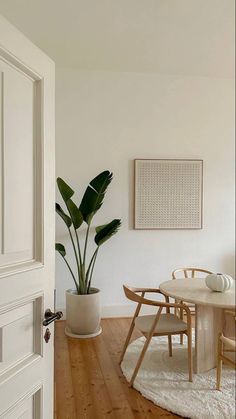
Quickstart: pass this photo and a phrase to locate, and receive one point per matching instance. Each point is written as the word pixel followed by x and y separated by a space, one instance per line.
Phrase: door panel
pixel 20 323
pixel 19 107
pixel 29 408
pixel 18 151
pixel 26 226
pixel 23 411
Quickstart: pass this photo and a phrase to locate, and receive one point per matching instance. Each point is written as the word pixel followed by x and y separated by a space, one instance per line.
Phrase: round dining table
pixel 211 316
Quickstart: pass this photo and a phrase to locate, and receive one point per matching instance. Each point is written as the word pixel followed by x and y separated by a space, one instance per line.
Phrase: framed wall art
pixel 168 194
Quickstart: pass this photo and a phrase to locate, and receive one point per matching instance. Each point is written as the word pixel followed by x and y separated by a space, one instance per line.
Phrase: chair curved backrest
pixel 190 273
pixel 132 294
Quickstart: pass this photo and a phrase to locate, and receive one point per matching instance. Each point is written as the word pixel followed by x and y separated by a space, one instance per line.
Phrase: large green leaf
pixel 94 194
pixel 65 190
pixel 61 249
pixel 63 215
pixel 75 213
pixel 105 232
pixel 99 228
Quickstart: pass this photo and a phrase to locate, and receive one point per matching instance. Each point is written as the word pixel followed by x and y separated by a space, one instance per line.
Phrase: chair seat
pixel 167 323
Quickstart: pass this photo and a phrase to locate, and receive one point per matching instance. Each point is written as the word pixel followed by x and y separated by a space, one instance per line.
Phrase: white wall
pixel 106 119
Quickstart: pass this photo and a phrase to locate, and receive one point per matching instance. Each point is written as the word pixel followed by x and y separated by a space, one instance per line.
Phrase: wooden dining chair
pixel 190 273
pixel 159 324
pixel 225 345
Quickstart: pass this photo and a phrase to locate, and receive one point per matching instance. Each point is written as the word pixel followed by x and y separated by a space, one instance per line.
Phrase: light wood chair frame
pixel 132 294
pixel 222 340
pixel 185 271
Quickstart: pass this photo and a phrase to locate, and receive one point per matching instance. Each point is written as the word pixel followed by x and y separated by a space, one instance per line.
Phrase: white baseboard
pixel 116 310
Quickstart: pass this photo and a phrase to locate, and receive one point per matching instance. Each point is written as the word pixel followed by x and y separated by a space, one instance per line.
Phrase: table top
pixel 195 291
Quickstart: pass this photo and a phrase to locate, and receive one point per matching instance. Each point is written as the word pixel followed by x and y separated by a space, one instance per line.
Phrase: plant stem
pixel 86 243
pixel 78 245
pixel 77 239
pixel 91 274
pixel 76 256
pixel 90 264
pixel 77 288
pixel 82 279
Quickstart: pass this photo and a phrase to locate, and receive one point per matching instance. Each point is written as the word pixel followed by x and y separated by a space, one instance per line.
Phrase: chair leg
pixel 219 363
pixel 181 318
pixel 170 345
pixel 148 338
pixel 190 355
pixel 138 308
pixel 175 309
pixel 140 360
pixel 127 342
pixel 218 373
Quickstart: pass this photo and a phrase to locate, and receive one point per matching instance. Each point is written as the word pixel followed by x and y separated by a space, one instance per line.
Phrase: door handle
pixel 50 317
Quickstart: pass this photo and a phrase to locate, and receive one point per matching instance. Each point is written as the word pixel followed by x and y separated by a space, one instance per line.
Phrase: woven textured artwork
pixel 168 194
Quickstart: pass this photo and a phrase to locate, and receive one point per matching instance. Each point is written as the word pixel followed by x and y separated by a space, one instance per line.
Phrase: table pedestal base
pixel 210 321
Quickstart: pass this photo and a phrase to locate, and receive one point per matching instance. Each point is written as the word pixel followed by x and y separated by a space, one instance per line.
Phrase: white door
pixel 26 226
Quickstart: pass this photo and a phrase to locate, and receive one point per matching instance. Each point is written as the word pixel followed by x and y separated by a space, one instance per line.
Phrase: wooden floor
pixel 88 380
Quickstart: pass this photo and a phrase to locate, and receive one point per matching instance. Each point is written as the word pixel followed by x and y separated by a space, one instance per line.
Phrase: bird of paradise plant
pixel 74 218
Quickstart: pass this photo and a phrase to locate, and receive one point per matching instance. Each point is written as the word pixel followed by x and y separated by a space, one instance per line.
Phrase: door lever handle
pixel 50 317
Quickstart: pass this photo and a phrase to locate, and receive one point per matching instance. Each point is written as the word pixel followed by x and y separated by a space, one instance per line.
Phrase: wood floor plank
pixel 114 341
pixel 142 407
pixel 98 388
pixel 120 404
pixel 89 381
pixel 85 409
pixel 64 393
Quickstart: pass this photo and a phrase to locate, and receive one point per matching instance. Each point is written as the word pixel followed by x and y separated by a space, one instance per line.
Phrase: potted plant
pixel 83 302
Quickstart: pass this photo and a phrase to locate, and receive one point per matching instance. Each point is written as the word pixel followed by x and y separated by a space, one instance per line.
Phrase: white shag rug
pixel 164 381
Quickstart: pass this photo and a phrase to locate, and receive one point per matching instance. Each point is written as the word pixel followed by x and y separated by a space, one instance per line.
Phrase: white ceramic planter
pixel 83 314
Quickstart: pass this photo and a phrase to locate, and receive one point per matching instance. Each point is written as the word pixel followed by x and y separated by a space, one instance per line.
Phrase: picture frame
pixel 168 194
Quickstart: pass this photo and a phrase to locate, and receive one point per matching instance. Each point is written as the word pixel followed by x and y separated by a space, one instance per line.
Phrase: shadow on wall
pixel 228 262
